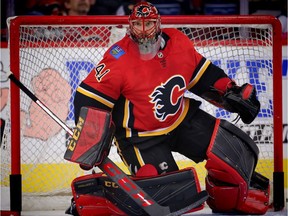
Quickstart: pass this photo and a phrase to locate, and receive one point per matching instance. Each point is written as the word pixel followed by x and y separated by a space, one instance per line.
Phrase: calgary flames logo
pixel 142 11
pixel 167 97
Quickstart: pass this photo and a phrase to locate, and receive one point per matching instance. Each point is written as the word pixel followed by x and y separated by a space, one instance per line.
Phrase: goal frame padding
pixel 16 22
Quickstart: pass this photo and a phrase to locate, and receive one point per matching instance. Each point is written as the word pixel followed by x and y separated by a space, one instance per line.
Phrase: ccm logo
pixel 76 134
pixel 111 184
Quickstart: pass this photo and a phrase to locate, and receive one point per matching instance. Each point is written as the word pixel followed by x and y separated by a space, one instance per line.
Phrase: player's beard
pixel 149 49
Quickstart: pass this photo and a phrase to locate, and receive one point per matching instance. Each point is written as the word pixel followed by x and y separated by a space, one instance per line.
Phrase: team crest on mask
pixel 143 11
pixel 167 97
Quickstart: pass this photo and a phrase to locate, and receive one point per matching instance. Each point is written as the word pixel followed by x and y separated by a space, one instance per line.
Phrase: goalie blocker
pixel 92 138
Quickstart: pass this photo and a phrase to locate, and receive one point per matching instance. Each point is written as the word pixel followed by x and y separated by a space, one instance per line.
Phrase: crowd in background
pixel 10 8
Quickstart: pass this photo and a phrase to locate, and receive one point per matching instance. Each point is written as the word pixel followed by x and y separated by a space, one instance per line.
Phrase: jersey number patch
pixel 100 71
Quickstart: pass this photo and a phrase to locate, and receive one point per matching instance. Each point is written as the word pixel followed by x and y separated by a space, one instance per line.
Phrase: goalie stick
pixel 146 202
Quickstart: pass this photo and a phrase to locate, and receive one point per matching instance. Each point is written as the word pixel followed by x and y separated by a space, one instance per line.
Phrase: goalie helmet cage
pixel 51 54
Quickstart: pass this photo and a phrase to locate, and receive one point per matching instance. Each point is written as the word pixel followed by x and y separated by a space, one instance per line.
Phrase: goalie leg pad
pixel 224 198
pixel 96 206
pixel 231 151
pixel 89 197
pixel 98 192
pixel 231 160
pixel 257 201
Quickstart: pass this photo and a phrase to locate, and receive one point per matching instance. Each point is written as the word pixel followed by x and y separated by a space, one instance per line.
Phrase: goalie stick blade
pixel 197 200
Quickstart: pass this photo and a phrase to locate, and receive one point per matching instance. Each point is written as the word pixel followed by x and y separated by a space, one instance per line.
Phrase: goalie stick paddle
pixel 136 193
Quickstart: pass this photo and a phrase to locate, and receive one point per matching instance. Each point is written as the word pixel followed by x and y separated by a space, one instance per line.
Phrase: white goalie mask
pixel 144 28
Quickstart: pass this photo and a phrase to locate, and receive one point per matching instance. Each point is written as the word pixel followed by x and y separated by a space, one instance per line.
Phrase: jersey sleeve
pixel 102 87
pixel 208 74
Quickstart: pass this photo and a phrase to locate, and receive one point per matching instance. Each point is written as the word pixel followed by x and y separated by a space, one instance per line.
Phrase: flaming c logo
pixel 167 97
pixel 143 11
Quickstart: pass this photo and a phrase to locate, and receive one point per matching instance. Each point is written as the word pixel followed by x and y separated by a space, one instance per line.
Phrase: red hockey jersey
pixel 147 97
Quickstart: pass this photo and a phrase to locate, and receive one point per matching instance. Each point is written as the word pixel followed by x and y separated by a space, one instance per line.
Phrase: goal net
pixel 51 55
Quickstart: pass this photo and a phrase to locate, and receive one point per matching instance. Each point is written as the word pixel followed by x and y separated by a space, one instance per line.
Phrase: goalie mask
pixel 144 27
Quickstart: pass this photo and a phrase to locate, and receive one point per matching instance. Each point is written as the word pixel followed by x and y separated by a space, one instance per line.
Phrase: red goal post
pixel 51 54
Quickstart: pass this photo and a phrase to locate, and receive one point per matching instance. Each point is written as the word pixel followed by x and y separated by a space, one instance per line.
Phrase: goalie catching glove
pixel 242 100
pixel 235 99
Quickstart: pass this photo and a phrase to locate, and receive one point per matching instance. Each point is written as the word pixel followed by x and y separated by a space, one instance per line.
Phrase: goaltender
pixel 142 80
